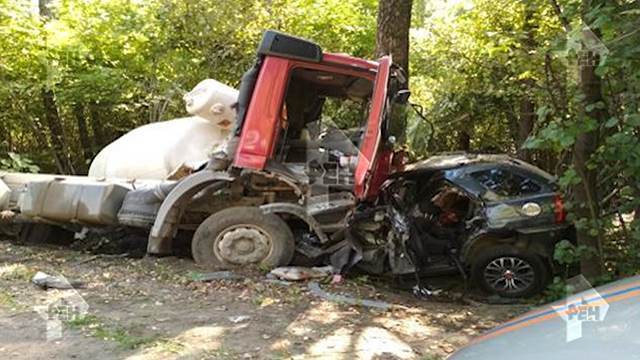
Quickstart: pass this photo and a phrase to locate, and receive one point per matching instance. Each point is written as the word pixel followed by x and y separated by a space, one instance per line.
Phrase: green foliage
pixel 566 253
pixel 558 289
pixel 120 64
pixel 18 163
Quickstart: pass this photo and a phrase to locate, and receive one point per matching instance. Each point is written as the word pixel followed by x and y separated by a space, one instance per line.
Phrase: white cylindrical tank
pixel 5 195
pixel 153 151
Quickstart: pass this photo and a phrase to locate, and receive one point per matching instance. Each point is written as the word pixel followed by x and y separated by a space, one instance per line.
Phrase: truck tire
pixel 509 272
pixel 241 236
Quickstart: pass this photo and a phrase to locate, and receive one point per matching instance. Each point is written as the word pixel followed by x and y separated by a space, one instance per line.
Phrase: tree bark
pixel 54 126
pixel 83 134
pixel 525 126
pixel 464 141
pixel 51 116
pixel 392 37
pixel 585 194
pixel 99 133
pixel 527 109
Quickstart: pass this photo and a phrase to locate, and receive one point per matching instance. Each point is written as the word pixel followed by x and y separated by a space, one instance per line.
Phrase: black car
pixel 493 218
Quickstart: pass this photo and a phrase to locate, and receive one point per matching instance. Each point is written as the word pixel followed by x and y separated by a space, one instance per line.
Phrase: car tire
pixel 241 236
pixel 509 272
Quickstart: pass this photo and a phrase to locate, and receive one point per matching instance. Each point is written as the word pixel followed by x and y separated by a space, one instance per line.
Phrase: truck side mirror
pixel 402 96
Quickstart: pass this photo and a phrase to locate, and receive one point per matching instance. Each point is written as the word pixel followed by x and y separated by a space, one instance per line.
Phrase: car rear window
pixel 505 183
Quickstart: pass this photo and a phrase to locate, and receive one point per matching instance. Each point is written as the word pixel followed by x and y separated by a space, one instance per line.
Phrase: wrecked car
pixel 491 217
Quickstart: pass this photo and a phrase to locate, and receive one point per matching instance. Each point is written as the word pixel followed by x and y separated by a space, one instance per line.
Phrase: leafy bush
pixel 18 163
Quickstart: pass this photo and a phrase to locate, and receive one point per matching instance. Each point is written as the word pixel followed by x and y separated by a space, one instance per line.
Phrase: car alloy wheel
pixel 509 274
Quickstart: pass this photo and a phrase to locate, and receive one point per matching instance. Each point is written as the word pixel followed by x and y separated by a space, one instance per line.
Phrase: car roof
pixel 594 324
pixel 451 161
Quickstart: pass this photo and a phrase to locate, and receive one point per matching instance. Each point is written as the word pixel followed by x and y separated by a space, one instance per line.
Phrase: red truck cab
pixel 315 135
pixel 293 73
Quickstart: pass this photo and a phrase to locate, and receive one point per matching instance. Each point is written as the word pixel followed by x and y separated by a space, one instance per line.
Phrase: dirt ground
pixel 151 308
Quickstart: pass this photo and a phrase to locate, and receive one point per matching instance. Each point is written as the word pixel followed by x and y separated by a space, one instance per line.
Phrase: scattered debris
pixel 239 318
pixel 7 216
pixel 296 273
pixel 47 281
pixel 115 241
pixel 315 289
pixel 337 279
pixel 217 275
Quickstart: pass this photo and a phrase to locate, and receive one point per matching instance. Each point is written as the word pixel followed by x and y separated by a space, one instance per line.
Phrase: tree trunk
pixel 464 141
pixel 585 193
pixel 54 126
pixel 51 116
pixel 83 135
pixel 99 135
pixel 45 10
pixel 394 21
pixel 527 106
pixel 525 126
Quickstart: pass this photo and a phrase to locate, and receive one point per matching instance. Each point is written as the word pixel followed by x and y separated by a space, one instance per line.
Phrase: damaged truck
pixel 313 169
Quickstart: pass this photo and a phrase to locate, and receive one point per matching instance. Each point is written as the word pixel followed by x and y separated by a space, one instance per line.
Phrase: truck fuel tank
pixel 75 200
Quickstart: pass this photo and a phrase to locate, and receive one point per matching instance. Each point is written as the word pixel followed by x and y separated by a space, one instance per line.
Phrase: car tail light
pixel 560 214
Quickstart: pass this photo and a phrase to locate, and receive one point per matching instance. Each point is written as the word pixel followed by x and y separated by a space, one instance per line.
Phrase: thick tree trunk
pixel 586 196
pixel 394 21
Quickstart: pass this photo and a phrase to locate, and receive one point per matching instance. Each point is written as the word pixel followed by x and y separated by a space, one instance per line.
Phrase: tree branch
pixel 563 19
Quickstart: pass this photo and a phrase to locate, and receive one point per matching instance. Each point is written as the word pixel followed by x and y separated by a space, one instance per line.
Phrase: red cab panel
pixel 371 141
pixel 262 123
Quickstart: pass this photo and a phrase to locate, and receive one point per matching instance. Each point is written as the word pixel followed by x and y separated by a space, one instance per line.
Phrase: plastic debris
pixel 297 273
pixel 315 289
pixel 47 281
pixel 239 318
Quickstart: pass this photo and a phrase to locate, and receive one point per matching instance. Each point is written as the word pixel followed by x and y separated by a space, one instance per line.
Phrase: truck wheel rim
pixel 509 274
pixel 242 244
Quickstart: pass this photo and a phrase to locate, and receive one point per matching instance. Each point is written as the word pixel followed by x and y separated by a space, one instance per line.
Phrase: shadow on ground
pixel 151 308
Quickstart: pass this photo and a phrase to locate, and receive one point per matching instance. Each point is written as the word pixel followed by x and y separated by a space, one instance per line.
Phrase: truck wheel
pixel 241 236
pixel 509 272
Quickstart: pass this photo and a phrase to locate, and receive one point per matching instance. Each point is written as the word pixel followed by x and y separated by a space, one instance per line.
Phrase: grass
pixel 16 272
pixel 222 353
pixel 80 322
pixel 121 335
pixel 168 346
pixel 8 300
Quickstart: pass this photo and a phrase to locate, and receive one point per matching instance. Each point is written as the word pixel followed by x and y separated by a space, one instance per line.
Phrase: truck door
pixel 371 141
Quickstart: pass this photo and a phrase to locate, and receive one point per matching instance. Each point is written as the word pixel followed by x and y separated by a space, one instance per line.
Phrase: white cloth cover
pixel 153 151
